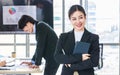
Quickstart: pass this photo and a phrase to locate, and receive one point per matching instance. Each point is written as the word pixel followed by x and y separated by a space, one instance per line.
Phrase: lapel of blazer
pixel 70 41
pixel 71 37
pixel 85 36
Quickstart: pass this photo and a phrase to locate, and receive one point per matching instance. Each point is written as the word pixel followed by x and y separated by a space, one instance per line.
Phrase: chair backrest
pixel 100 65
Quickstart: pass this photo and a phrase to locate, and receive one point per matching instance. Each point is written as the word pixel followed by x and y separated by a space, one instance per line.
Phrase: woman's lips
pixel 79 25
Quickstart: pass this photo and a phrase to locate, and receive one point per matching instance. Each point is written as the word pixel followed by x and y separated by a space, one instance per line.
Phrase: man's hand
pixel 28 63
pixel 33 66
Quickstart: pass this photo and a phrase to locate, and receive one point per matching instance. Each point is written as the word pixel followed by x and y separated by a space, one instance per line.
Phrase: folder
pixel 81 47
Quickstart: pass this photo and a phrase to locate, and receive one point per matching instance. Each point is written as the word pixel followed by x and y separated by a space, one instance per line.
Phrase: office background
pixel 103 18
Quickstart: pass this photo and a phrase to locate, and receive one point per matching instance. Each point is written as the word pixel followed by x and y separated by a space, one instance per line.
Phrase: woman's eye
pixel 74 19
pixel 81 17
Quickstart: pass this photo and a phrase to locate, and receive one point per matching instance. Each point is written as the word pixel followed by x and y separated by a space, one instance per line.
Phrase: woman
pixel 82 63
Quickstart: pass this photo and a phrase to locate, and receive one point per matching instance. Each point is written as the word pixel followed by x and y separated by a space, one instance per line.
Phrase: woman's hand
pixel 85 57
pixel 68 65
pixel 2 63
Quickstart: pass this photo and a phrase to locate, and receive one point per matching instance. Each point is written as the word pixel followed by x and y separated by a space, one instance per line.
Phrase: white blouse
pixel 78 35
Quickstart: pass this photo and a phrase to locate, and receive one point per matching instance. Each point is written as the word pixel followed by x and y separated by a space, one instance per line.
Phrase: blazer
pixel 64 53
pixel 46 42
pixel 47 7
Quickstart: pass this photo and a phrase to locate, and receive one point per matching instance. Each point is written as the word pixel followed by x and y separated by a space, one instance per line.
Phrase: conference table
pixel 20 71
pixel 17 68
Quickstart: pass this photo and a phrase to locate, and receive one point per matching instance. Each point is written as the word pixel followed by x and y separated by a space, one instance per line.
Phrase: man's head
pixel 26 23
pixel 24 20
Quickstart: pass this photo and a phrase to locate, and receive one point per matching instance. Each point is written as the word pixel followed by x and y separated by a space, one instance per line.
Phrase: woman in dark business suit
pixel 81 63
pixel 46 40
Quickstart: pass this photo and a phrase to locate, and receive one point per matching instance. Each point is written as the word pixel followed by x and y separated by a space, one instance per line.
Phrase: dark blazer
pixel 48 13
pixel 64 53
pixel 47 10
pixel 19 2
pixel 46 42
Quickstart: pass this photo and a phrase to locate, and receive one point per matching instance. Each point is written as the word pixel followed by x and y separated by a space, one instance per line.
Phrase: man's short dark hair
pixel 25 19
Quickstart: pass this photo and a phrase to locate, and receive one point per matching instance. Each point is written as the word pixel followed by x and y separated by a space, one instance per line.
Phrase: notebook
pixel 81 47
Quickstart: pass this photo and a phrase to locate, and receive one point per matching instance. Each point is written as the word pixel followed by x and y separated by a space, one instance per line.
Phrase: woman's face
pixel 78 20
pixel 28 28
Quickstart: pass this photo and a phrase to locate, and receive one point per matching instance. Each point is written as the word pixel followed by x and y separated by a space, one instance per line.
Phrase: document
pixel 81 47
pixel 6 68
